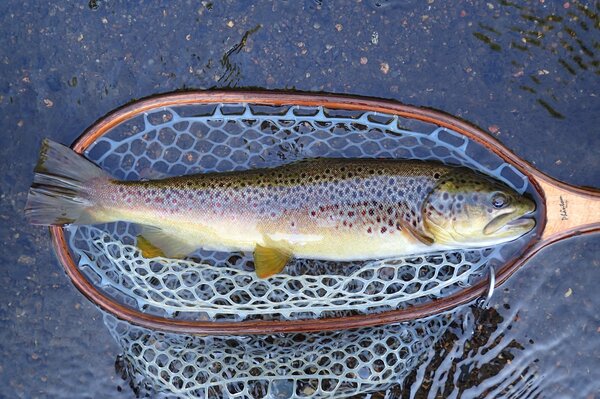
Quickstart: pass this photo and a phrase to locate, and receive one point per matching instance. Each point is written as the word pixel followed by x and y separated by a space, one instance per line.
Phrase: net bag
pixel 318 365
pixel 222 287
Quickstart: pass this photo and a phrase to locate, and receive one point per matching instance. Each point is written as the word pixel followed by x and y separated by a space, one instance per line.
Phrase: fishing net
pixel 317 365
pixel 218 286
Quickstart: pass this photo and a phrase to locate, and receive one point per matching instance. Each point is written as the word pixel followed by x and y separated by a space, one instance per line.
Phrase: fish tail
pixel 60 193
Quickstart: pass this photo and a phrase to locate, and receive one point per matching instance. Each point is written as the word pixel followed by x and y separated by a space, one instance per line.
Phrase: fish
pixel 338 209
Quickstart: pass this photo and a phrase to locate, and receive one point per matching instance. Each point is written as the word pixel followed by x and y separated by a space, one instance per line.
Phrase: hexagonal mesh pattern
pixel 222 286
pixel 329 364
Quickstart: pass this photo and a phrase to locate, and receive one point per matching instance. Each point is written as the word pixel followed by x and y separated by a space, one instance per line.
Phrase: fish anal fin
pixel 269 261
pixel 170 245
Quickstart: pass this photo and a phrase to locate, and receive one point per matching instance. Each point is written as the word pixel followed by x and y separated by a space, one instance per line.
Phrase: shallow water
pixel 528 74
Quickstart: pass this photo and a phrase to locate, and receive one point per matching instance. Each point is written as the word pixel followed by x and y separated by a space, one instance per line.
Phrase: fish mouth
pixel 511 222
pixel 523 224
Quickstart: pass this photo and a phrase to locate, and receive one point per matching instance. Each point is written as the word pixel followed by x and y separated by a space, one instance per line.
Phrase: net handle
pixel 550 227
pixel 570 210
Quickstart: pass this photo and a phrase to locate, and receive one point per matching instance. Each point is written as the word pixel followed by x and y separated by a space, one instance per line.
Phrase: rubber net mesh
pixel 223 286
pixel 319 365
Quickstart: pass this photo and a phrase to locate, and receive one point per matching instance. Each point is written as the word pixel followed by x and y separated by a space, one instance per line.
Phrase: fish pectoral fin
pixel 158 242
pixel 419 235
pixel 269 261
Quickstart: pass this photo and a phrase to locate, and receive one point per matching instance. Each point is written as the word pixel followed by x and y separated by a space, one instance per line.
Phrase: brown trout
pixel 328 209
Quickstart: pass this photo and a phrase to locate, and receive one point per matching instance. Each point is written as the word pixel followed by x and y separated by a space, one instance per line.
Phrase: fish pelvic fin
pixel 270 260
pixel 60 191
pixel 154 242
pixel 148 249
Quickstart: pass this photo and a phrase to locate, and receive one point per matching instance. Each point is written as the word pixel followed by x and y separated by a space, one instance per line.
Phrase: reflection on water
pixel 232 73
pixel 548 47
pixel 387 5
pixel 537 340
pixel 476 358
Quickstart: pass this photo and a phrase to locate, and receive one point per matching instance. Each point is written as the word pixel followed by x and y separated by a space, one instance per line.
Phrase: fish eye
pixel 499 200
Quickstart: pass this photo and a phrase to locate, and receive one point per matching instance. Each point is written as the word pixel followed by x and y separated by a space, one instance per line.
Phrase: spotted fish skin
pixel 333 209
pixel 330 209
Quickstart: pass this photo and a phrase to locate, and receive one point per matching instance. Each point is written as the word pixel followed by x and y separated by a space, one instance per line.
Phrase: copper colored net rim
pixel 551 227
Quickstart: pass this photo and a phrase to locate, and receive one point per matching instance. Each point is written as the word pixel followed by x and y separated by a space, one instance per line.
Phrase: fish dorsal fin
pixel 158 242
pixel 270 260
